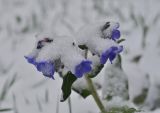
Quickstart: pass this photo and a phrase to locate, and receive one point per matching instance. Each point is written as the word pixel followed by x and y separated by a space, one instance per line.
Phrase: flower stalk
pixel 93 90
pixel 95 94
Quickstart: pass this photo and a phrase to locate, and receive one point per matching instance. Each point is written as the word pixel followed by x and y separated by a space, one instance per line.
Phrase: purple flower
pixel 115 34
pixel 30 60
pixel 110 54
pixel 82 68
pixel 46 67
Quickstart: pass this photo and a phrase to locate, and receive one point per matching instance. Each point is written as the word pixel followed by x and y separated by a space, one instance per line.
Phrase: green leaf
pixel 121 40
pixel 83 47
pixel 84 92
pixel 109 97
pixel 5 109
pixel 81 87
pixel 96 71
pixel 142 97
pixel 68 80
pixel 118 62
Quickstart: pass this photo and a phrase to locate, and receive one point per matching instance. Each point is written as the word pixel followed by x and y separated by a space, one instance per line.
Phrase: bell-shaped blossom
pixel 46 67
pixel 30 60
pixel 110 30
pixel 115 34
pixel 82 68
pixel 110 54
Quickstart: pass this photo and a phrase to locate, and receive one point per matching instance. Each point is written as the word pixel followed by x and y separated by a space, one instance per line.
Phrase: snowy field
pixel 25 90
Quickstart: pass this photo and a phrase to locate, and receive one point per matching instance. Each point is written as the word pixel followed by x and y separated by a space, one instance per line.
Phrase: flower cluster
pixel 113 50
pixel 100 40
pixel 110 54
pixel 64 51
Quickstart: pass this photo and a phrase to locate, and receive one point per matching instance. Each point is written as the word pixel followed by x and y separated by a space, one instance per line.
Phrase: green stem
pixel 95 94
pixel 57 106
pixel 69 105
pixel 93 90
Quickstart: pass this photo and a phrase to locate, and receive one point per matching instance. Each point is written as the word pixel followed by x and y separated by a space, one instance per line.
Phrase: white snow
pixel 115 83
pixel 91 36
pixel 62 47
pixel 17 38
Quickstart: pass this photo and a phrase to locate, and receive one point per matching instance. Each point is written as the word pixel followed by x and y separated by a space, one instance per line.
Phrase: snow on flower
pixel 58 48
pixel 30 60
pixel 47 68
pixel 100 38
pixel 83 67
pixel 110 30
pixel 115 34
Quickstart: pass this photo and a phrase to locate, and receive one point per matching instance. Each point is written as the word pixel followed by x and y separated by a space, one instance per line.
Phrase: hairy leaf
pixel 96 71
pixel 121 40
pixel 68 80
pixel 84 92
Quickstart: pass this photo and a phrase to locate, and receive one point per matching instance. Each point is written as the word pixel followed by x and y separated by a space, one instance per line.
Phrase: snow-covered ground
pixel 30 92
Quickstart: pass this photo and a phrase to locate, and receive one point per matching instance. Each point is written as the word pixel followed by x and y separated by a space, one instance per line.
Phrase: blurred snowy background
pixel 25 90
